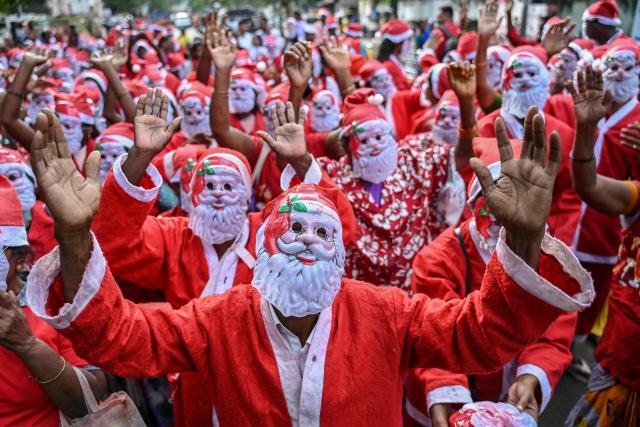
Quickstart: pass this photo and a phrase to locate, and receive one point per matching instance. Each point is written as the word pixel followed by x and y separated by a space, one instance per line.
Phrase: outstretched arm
pixel 223 53
pixel 488 24
pixel 297 63
pixel 105 64
pixel 605 194
pixel 337 58
pixel 10 111
pixel 462 77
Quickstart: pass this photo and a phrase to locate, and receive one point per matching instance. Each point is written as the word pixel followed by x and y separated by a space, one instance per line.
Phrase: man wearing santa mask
pixel 211 250
pixel 16 169
pixel 398 106
pixel 450 268
pixel 115 141
pixel 61 70
pixel 243 101
pixel 394 190
pixel 39 101
pixel 447 119
pixel 194 110
pixel 306 349
pixel 598 235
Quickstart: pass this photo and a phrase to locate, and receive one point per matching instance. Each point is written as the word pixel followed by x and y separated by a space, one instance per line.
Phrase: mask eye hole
pixel 227 187
pixel 297 228
pixel 209 186
pixel 322 233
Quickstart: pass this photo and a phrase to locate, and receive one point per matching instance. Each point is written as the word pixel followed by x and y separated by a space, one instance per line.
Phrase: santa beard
pixel 494 75
pixel 517 103
pixel 445 135
pixel 214 226
pixel 296 289
pixel 378 168
pixel 191 128
pixel 623 91
pixel 325 122
pixel 242 105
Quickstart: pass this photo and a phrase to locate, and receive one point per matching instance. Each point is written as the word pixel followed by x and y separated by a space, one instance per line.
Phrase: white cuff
pixel 541 375
pixel 520 272
pixel 313 175
pixel 47 270
pixel 140 194
pixel 448 394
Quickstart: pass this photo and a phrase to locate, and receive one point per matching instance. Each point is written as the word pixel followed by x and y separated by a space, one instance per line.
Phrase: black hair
pixel 448 10
pixel 386 50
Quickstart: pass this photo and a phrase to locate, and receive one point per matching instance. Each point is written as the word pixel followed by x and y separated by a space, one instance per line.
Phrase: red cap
pixel 396 31
pixel 605 12
pixel 12 231
pixel 119 133
pixel 353 29
pixel 371 68
pixel 220 157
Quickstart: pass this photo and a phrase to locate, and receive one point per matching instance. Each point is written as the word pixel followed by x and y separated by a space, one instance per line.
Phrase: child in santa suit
pixel 451 267
pixel 349 336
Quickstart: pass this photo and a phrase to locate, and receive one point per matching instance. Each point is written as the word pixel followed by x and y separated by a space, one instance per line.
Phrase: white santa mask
pixel 621 76
pixel 242 97
pixel 72 128
pixel 526 84
pixel 300 259
pixel 268 123
pixel 195 117
pixel 109 153
pixel 22 183
pixel 38 103
pixel 220 206
pixel 374 154
pixel 325 114
pixel 382 83
pixel 65 75
pixel 494 71
pixel 445 129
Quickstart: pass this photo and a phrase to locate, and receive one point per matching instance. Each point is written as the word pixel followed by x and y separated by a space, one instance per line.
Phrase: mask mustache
pixel 291 248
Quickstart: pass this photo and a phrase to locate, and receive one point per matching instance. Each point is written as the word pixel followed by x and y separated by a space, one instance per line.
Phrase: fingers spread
pixel 148 104
pixel 171 129
pixel 38 161
pixel 504 145
pixel 303 115
pixel 140 105
pixel 157 103
pixel 291 115
pixel 484 176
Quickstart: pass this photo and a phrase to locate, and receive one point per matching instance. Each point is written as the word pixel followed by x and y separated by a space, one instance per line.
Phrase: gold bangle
pixel 221 92
pixel 468 134
pixel 349 89
pixel 633 200
pixel 64 365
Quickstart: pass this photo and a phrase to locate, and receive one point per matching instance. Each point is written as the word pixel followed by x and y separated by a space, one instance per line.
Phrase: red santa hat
pixel 623 48
pixel 220 158
pixel 500 52
pixel 323 11
pixel 354 29
pixel 331 23
pixel 279 93
pixel 66 108
pixel 178 165
pixel 16 159
pixel 438 80
pixel 176 60
pixel 12 231
pixel 362 106
pixel 95 76
pixel 243 58
pixel 605 12
pixel 317 94
pixel 197 93
pixel 467 44
pixel 85 106
pixel 357 62
pixel 307 198
pixel 59 64
pixel 396 31
pixel 119 133
pixel 244 75
pixel 555 19
pixel 135 87
pixel 448 100
pixel 372 68
pixel 534 54
pixel 14 56
pixel 579 46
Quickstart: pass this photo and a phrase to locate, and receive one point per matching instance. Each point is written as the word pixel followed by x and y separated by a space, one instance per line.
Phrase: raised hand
pixel 15 334
pixel 101 60
pixel 558 36
pixel 289 143
pixel 335 55
pixel 222 49
pixel 151 130
pixel 120 57
pixel 434 40
pixel 462 78
pixel 522 395
pixel 71 198
pixel 297 63
pixel 590 101
pixel 35 57
pixel 488 21
pixel 521 197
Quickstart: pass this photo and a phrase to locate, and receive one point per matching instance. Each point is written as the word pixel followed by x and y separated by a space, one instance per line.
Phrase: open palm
pixel 462 78
pixel 297 63
pixel 520 198
pixel 289 142
pixel 152 132
pixel 72 198
pixel 590 101
pixel 488 22
pixel 335 55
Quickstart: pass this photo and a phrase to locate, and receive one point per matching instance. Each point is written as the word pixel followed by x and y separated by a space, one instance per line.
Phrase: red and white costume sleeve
pixel 440 271
pixel 163 253
pixel 560 106
pixel 366 340
pixel 565 207
pixel 396 69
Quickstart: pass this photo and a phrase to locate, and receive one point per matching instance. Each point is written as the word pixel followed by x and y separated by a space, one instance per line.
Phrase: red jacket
pixel 397 74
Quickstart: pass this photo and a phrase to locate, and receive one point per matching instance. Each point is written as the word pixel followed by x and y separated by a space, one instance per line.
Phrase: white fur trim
pixel 47 270
pixel 604 20
pixel 354 34
pixel 521 273
pixel 416 414
pixel 448 394
pixel 244 172
pixel 543 380
pixel 313 175
pixel 398 38
pixel 140 194
pixel 13 235
pixel 115 139
pixel 167 164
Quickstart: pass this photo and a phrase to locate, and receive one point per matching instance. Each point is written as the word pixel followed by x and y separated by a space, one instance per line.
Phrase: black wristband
pixel 14 93
pixel 573 159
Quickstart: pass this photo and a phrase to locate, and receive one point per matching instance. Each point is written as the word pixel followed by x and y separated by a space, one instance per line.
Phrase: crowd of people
pixel 283 228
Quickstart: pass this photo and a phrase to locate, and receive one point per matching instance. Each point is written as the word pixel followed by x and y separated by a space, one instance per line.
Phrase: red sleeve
pixel 316 143
pixel 411 100
pixel 65 349
pixel 517 40
pixel 398 77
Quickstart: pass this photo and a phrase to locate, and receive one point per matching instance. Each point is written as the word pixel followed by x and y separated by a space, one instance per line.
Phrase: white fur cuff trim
pixel 313 175
pixel 541 375
pixel 140 194
pixel 604 20
pixel 47 270
pixel 538 286
pixel 448 394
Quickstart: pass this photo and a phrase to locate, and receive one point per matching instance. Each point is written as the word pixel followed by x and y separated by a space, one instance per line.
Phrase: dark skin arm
pixel 110 108
pixel 297 63
pixel 591 103
pixel 488 24
pixel 337 58
pixel 462 78
pixel 10 111
pixel 105 64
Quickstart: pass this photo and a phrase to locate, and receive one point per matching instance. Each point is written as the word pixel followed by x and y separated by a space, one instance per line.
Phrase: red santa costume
pixel 520 91
pixel 171 254
pixel 606 12
pixel 353 35
pixel 450 268
pixel 374 334
pixel 22 400
pixel 597 236
pixel 394 189
pixel 397 31
pixel 399 105
pixel 466 49
pixel 436 83
pixel 243 101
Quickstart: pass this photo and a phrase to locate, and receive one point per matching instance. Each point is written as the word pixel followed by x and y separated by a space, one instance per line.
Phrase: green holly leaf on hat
pixel 191 164
pixel 285 208
pixel 299 207
pixel 356 128
pixel 483 211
